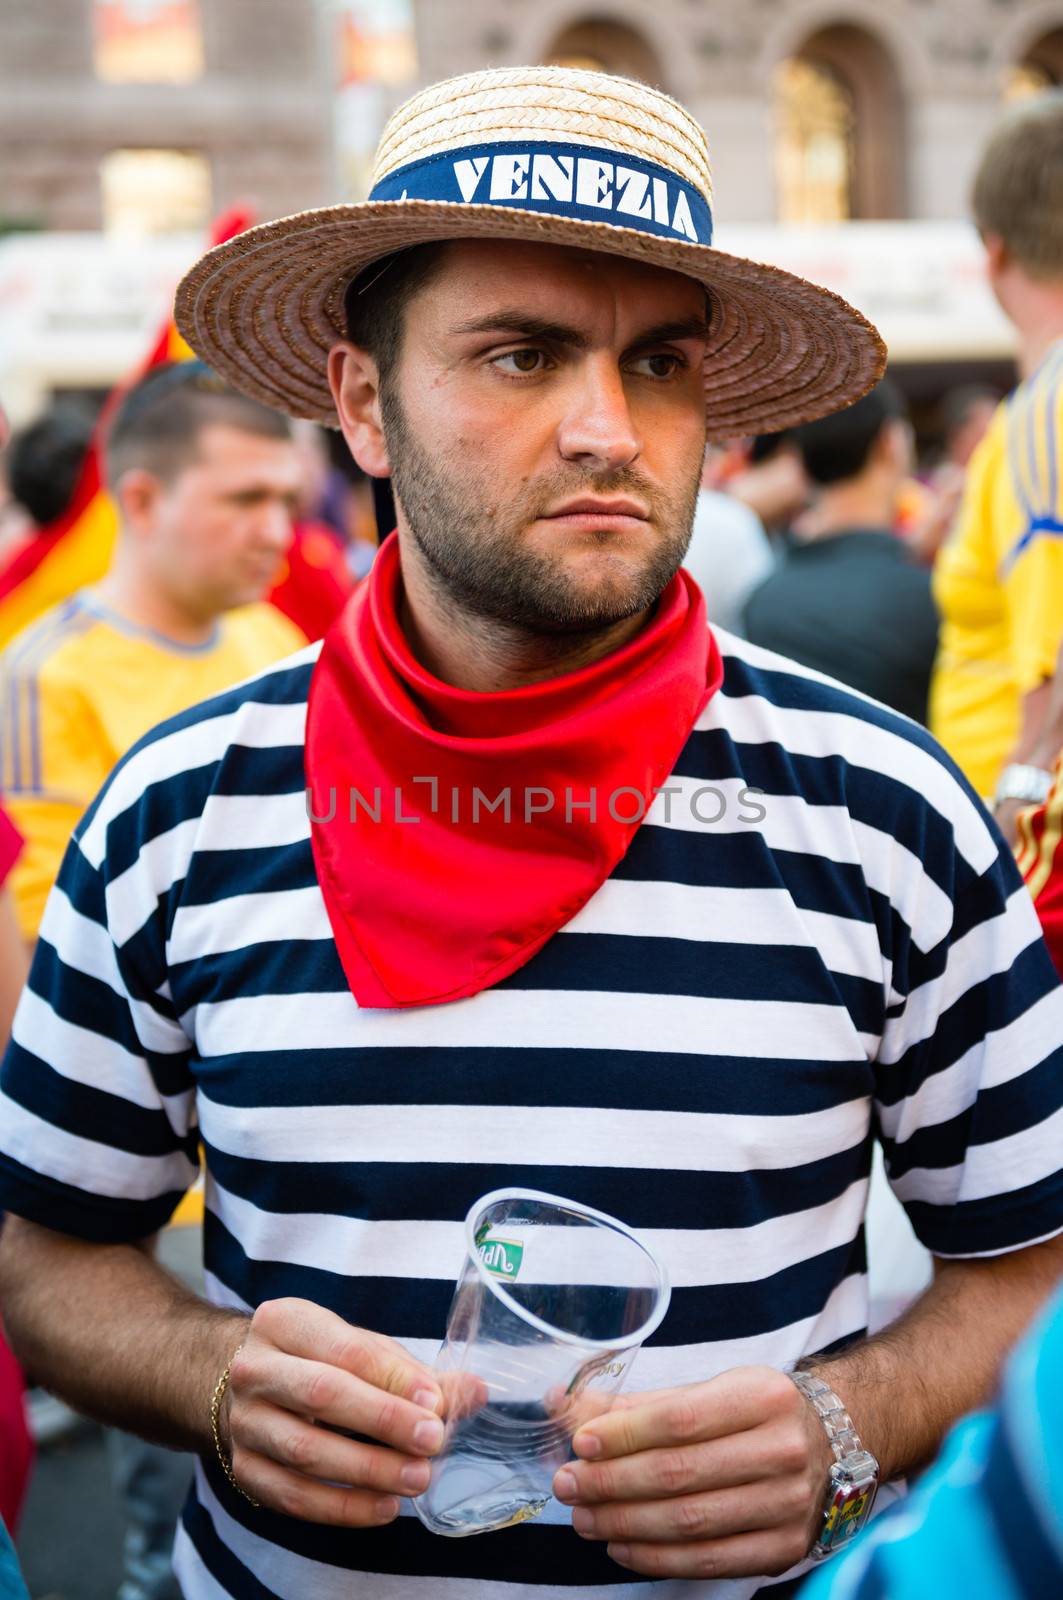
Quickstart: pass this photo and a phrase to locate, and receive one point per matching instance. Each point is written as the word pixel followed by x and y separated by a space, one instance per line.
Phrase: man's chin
pixel 587 610
pixel 249 595
pixel 617 590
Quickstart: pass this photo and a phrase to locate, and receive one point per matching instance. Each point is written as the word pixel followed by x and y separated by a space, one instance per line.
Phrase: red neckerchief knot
pixel 454 832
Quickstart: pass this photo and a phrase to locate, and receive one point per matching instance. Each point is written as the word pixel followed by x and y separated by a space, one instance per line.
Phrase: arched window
pixel 839 149
pixel 1040 68
pixel 814 143
pixel 601 44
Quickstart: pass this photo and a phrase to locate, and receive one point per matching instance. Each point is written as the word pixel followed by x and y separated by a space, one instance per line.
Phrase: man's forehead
pixel 548 277
pixel 221 446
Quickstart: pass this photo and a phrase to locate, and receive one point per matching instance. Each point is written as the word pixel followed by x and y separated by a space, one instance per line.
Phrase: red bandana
pixel 432 895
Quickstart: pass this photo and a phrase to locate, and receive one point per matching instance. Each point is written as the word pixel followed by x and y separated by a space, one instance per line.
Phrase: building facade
pixel 158 113
pixel 817 110
pixel 148 117
pixel 154 114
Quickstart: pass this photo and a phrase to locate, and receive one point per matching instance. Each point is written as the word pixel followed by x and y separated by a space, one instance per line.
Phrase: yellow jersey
pixel 78 688
pixel 998 581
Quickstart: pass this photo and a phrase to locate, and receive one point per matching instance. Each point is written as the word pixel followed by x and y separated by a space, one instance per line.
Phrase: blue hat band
pixel 581 182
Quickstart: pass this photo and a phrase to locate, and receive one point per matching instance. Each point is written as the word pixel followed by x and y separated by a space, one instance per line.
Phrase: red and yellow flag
pixel 1040 855
pixel 75 550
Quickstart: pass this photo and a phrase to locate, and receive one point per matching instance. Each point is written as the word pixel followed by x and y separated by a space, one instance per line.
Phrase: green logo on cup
pixel 501 1257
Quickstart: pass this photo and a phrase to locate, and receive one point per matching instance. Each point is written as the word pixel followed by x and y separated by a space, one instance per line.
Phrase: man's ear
pixel 138 493
pixel 996 253
pixel 355 383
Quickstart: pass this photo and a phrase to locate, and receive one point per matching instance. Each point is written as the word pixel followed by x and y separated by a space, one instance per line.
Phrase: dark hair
pixel 837 447
pixel 43 462
pixel 1018 188
pixel 375 302
pixel 158 423
pixel 766 445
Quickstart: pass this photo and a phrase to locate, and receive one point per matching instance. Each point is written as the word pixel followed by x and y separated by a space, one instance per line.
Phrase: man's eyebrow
pixel 695 327
pixel 527 326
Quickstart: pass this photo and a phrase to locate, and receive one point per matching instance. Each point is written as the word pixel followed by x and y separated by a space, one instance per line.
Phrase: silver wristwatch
pixel 1020 781
pixel 853 1479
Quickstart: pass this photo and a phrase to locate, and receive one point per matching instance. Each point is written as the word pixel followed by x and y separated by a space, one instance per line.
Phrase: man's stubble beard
pixel 485 569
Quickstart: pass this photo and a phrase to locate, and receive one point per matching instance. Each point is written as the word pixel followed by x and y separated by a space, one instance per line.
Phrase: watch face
pixel 848 1509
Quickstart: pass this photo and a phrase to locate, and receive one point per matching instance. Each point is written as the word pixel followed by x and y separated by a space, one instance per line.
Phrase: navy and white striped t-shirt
pixel 707 1050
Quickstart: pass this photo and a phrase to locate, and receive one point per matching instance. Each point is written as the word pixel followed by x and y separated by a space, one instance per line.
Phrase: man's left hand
pixel 723 1479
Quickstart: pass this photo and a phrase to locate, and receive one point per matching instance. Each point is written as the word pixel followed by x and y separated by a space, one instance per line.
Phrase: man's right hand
pixel 301 1366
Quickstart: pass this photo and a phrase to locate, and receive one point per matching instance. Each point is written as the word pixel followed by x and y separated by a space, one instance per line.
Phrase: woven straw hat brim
pixel 264 309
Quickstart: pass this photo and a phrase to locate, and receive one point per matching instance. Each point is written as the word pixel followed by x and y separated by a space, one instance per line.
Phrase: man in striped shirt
pixel 697 1013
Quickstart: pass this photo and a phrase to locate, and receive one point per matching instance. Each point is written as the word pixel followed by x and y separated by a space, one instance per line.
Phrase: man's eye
pixel 525 361
pixel 660 365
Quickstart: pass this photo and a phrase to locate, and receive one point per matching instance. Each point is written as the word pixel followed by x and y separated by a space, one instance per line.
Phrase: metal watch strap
pixel 837 1423
pixel 852 1481
pixel 1021 781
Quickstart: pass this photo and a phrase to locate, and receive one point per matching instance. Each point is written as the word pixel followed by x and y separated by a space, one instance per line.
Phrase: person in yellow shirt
pixel 999 579
pixel 205 481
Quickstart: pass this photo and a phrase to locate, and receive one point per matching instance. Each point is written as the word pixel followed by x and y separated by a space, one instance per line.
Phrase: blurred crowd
pixel 929 579
pixel 231 540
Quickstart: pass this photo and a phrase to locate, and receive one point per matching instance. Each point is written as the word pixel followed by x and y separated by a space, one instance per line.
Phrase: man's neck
pixel 849 508
pixel 140 601
pixel 480 654
pixel 1036 345
pixel 1038 319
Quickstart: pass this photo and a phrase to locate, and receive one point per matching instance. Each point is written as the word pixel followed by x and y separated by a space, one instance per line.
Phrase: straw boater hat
pixel 545 154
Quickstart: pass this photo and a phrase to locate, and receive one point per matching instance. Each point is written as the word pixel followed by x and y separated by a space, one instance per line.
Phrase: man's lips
pixel 598 505
pixel 592 511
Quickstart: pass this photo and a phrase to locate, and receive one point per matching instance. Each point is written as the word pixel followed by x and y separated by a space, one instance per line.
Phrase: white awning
pixel 81 309
pixel 922 284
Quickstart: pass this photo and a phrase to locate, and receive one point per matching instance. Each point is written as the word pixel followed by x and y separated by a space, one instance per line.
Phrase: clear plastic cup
pixel 553 1302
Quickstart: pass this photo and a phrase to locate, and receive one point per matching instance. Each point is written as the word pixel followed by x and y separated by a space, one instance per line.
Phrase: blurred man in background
pixel 999 579
pixel 847 598
pixel 205 482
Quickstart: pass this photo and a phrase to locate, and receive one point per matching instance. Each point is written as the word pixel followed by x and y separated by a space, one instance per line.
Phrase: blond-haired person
pixel 205 481
pixel 999 579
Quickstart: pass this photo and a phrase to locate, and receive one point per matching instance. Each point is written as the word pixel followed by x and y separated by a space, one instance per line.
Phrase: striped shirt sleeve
pixel 97 1135
pixel 969 1094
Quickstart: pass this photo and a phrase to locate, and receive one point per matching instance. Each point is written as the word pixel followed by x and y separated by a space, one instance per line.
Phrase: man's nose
pixel 598 428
